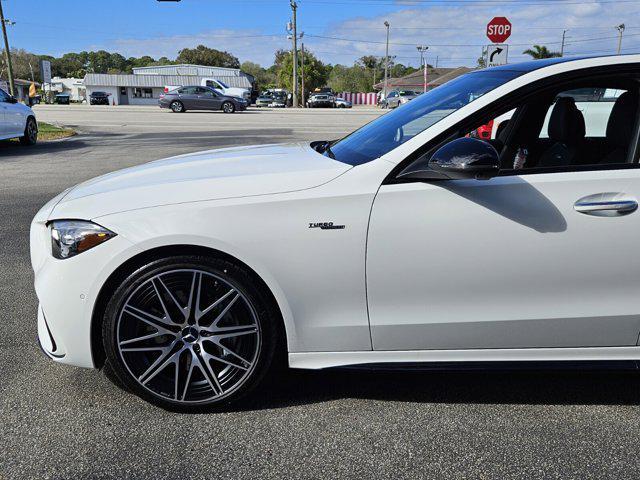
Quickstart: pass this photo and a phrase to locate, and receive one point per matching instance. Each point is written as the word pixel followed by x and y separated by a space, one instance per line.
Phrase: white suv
pixel 17 120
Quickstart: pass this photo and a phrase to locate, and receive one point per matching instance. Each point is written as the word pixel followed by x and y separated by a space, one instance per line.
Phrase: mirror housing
pixel 466 158
pixel 13 100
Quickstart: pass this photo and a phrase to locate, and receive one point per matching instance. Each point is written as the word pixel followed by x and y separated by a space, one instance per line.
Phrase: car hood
pixel 209 175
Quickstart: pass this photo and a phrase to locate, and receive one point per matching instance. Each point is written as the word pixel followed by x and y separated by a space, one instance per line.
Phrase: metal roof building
pixel 146 84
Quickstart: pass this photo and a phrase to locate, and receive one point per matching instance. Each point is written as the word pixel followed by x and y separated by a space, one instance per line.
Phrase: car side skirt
pixel 319 360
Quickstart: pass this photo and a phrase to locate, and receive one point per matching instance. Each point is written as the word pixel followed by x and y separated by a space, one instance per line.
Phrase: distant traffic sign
pixel 499 29
pixel 497 55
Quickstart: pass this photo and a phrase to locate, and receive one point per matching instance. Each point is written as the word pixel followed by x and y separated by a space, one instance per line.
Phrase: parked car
pixel 264 99
pixel 63 99
pixel 200 98
pixel 219 85
pixel 190 277
pixel 99 98
pixel 342 103
pixel 398 97
pixel 17 120
pixel 321 99
pixel 272 98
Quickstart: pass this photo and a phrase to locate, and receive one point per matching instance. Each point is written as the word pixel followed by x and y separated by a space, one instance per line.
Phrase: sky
pixel 337 31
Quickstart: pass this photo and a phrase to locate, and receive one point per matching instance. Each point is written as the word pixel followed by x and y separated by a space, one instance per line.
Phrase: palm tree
pixel 541 51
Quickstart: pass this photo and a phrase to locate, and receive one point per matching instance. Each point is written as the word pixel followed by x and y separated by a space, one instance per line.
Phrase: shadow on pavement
pixel 538 387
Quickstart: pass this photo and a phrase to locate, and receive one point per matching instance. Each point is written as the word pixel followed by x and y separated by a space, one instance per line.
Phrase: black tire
pixel 30 136
pixel 243 281
pixel 177 107
pixel 228 107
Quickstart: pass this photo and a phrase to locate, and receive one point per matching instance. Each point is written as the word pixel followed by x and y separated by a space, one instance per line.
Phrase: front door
pixel 208 99
pixel 123 97
pixel 539 257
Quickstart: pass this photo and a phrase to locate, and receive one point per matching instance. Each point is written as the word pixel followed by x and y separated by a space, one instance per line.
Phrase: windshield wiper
pixel 324 147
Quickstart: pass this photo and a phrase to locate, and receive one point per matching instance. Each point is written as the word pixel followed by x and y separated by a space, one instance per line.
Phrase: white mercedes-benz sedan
pixel 407 241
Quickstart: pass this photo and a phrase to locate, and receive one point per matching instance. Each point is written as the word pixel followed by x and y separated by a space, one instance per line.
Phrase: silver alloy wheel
pixel 228 107
pixel 176 107
pixel 189 336
pixel 32 131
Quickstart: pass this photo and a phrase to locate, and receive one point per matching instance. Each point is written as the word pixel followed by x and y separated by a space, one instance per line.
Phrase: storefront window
pixel 142 93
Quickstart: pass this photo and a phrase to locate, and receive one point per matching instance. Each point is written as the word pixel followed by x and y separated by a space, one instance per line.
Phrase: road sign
pixel 497 55
pixel 499 29
pixel 45 71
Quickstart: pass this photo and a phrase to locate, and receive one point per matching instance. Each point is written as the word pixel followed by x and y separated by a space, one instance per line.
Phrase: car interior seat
pixel 567 131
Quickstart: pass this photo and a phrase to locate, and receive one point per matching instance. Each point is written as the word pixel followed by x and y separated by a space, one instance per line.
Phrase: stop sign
pixel 499 29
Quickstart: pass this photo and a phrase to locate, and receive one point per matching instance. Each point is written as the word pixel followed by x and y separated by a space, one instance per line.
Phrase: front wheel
pixel 228 107
pixel 30 136
pixel 177 107
pixel 190 332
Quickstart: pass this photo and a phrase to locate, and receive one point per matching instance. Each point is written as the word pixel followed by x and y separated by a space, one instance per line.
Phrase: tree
pixel 316 73
pixel 264 78
pixel 202 55
pixel 541 51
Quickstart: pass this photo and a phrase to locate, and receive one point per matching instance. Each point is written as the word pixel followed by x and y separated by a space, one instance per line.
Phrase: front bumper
pixel 67 291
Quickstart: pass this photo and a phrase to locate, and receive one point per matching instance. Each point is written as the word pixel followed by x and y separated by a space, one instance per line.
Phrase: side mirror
pixel 466 158
pixel 12 100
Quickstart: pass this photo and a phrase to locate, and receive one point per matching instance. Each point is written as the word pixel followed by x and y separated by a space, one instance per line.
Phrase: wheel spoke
pixel 165 289
pixel 158 323
pixel 211 328
pixel 217 358
pixel 192 365
pixel 231 332
pixel 157 365
pixel 146 337
pixel 208 373
pixel 201 313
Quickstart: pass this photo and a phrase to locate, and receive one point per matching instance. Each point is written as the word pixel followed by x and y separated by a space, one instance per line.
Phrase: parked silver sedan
pixel 200 98
pixel 398 97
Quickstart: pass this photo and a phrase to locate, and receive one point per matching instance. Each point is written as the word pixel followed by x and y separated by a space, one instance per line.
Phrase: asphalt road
pixel 61 422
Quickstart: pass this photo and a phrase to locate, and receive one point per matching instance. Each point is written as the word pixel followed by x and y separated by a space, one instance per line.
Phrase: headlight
pixel 71 237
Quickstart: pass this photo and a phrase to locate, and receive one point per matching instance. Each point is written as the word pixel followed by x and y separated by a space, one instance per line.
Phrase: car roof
pixel 531 65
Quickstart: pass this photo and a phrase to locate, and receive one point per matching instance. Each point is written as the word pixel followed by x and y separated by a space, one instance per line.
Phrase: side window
pixel 187 90
pixel 4 96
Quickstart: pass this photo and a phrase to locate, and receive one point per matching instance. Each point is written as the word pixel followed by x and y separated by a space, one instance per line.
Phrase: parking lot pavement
pixel 65 423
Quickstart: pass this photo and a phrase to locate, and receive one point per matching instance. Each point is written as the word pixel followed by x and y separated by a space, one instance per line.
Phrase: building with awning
pixel 415 81
pixel 145 85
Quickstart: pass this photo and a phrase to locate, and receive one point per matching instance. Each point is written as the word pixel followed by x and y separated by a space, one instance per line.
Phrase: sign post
pixel 45 73
pixel 498 31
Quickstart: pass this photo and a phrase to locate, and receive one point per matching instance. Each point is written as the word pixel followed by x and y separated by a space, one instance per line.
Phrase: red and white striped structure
pixel 359 98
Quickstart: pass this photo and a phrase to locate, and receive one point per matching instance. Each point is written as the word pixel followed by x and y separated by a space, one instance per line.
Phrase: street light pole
pixel 564 35
pixel 423 63
pixel 294 7
pixel 620 28
pixel 7 52
pixel 302 73
pixel 386 62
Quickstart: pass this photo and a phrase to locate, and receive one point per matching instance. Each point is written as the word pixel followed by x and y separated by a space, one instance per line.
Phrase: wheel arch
pixel 140 259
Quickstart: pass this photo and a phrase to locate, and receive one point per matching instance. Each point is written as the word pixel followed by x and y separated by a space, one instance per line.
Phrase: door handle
pixel 606 205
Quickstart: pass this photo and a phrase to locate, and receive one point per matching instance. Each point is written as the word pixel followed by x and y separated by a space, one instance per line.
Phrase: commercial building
pixel 415 80
pixel 74 87
pixel 145 85
pixel 21 86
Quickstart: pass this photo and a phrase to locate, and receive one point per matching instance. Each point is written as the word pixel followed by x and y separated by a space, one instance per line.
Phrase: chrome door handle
pixel 606 205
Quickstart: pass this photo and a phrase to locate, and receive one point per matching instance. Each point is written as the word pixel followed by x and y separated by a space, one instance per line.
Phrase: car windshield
pixel 404 93
pixel 398 126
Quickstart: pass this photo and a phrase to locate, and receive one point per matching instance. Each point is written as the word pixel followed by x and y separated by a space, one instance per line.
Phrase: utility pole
pixel 302 74
pixel 423 64
pixel 564 34
pixel 386 62
pixel 437 56
pixel 7 52
pixel 294 8
pixel 620 28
